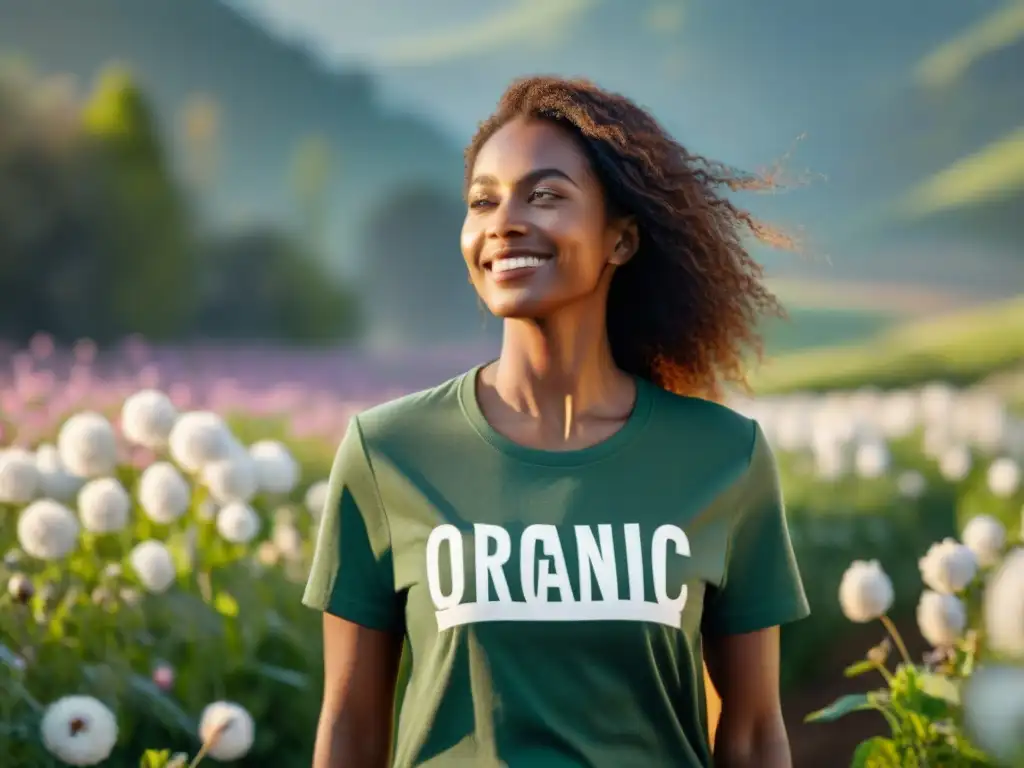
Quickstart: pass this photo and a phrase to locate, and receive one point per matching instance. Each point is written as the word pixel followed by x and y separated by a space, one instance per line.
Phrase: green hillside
pixel 808 328
pixel 961 347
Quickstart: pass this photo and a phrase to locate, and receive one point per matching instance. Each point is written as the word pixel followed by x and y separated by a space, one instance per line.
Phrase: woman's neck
pixel 561 369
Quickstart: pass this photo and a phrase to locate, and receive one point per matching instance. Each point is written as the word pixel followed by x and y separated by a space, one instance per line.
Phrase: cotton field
pixel 157 514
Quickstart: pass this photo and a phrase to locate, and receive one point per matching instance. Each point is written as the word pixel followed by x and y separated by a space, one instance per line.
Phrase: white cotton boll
pixel 1004 477
pixel 830 461
pixel 911 484
pixel 941 618
pixel 231 479
pixel 55 482
pixel 872 459
pixel 79 730
pixel 103 506
pixel 936 440
pixel 985 537
pixel 19 476
pixel 47 530
pixel 164 494
pixel 316 498
pixel 238 523
pixel 948 566
pixel 154 566
pixel 147 418
pixel 793 428
pixel 288 540
pixel 898 415
pixel 87 445
pixel 228 728
pixel 1003 607
pixel 198 438
pixel 935 401
pixel 865 592
pixel 955 463
pixel 993 705
pixel 276 470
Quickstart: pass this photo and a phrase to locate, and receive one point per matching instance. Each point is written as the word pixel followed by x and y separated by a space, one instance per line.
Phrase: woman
pixel 558 537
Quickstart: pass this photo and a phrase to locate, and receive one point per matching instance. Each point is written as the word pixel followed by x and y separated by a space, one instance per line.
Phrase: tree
pixel 148 259
pixel 311 171
pixel 49 246
pixel 259 284
pixel 413 275
pixel 200 125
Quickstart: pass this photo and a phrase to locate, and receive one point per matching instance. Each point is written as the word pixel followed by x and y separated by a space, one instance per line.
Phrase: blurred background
pixel 254 206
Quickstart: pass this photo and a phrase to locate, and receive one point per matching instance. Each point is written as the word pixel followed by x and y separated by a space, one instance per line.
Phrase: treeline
pixel 100 239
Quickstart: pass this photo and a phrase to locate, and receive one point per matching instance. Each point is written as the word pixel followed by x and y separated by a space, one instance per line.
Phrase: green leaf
pixel 225 604
pixel 860 668
pixel 841 707
pixel 153 758
pixel 877 752
pixel 939 687
pixel 286 676
pixel 163 707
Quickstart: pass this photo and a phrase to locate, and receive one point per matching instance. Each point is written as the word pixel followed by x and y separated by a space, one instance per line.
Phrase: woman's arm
pixel 360 672
pixel 713 704
pixel 745 671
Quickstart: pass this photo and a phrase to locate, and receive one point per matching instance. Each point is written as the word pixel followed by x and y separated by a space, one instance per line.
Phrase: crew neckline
pixel 635 423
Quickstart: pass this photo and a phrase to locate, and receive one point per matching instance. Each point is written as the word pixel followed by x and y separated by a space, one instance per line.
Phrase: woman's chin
pixel 520 310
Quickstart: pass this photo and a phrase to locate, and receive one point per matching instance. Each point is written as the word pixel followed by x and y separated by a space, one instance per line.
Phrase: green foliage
pixel 807 328
pixel 98 240
pixel 311 172
pixel 411 259
pixel 163 759
pixel 923 702
pixel 151 266
pixel 232 627
pixel 834 522
pixel 962 348
pixel 260 284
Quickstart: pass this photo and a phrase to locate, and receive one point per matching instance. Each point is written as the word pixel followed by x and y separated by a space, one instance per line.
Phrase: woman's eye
pixel 545 195
pixel 479 202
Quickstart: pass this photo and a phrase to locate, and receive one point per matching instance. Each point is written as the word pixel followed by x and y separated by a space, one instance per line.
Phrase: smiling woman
pixel 561 538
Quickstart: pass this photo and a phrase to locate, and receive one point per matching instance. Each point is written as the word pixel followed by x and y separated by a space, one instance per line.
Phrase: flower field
pixel 158 506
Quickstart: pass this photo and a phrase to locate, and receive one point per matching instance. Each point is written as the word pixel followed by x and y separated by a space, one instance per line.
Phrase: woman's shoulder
pixel 422 409
pixel 683 414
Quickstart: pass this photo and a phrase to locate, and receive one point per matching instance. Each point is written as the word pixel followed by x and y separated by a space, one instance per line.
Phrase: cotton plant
pixel 963 703
pixel 227 732
pixel 81 730
pixel 147 418
pixel 20 478
pixel 99 547
pixel 87 445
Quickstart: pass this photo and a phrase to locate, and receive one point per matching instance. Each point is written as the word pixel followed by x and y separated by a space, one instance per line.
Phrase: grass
pixel 809 328
pixel 961 348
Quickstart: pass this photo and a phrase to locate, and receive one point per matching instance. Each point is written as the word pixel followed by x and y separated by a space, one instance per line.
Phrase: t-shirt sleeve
pixel 352 575
pixel 761 587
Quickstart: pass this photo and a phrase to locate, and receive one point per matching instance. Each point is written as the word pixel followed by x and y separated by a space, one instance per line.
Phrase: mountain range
pixel 903 125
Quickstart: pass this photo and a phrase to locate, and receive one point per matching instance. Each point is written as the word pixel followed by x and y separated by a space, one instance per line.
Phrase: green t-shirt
pixel 553 603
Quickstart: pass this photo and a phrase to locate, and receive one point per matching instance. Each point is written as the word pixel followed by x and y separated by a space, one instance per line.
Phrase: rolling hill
pixel 960 347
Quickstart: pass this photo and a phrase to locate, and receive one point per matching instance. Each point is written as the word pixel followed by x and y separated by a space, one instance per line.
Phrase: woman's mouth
pixel 514 267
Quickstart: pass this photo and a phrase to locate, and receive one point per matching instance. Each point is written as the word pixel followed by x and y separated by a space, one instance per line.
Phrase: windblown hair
pixel 684 311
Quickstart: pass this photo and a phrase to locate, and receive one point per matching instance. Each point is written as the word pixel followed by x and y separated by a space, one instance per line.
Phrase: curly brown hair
pixel 684 311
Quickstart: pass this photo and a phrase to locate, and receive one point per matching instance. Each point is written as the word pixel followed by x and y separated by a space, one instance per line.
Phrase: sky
pixel 747 82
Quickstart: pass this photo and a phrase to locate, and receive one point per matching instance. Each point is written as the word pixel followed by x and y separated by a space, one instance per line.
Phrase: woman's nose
pixel 506 220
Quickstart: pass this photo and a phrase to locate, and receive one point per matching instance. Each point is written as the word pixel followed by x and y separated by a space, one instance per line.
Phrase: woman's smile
pixel 515 265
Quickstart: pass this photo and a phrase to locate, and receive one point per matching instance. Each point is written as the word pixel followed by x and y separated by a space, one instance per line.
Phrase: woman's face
pixel 536 235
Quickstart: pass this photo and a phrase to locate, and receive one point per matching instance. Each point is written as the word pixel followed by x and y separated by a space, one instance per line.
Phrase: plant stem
pixel 885 673
pixel 200 754
pixel 896 638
